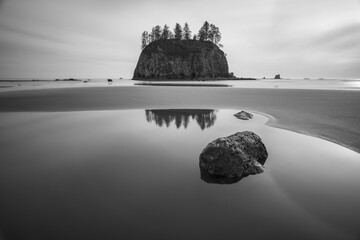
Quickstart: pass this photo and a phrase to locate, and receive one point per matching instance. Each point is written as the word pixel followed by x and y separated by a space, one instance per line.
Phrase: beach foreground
pixel 329 114
pixel 123 162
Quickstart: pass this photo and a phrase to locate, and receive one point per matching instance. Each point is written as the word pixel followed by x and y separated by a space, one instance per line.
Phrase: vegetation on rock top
pixel 208 32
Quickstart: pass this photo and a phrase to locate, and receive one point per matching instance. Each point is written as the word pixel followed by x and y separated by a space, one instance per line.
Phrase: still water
pixel 134 174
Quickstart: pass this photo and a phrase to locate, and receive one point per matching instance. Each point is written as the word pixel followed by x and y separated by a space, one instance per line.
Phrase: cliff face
pixel 185 59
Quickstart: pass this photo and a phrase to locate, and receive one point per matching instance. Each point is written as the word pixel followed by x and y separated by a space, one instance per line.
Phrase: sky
pixel 102 38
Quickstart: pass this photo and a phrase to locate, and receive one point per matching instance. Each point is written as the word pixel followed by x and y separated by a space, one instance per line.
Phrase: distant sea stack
pixel 181 59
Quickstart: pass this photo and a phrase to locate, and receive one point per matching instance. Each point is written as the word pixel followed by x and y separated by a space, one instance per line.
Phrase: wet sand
pixel 102 174
pixel 329 114
pixel 180 84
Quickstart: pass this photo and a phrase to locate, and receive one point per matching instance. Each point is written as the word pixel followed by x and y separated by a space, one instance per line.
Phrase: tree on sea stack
pixel 201 35
pixel 178 32
pixel 152 35
pixel 166 32
pixel 204 32
pixel 144 39
pixel 171 35
pixel 214 34
pixel 187 32
pixel 208 32
pixel 157 32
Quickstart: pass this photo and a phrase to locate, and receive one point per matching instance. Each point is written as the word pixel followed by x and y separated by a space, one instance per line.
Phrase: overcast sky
pixel 101 38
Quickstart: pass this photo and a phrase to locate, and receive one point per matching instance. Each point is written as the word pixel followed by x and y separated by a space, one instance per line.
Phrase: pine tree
pixel 201 35
pixel 166 32
pixel 217 37
pixel 152 35
pixel 144 39
pixel 187 32
pixel 178 32
pixel 157 32
pixel 204 31
pixel 214 34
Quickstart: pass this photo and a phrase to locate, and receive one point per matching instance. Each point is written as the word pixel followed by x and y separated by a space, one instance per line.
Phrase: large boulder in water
pixel 235 156
pixel 181 59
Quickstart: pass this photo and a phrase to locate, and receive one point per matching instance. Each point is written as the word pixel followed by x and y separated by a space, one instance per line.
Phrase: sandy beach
pixel 98 161
pixel 329 114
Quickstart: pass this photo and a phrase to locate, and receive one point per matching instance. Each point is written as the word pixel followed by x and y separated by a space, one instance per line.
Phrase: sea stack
pixel 181 59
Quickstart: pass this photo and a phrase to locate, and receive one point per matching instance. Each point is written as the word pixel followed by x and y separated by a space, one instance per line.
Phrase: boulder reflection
pixel 210 178
pixel 205 118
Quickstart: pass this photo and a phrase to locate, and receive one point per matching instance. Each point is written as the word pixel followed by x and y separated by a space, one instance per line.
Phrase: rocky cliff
pixel 185 59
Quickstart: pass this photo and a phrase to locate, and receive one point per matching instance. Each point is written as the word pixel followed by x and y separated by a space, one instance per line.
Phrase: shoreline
pixel 179 84
pixel 331 115
pixel 273 122
pixel 298 84
pixel 298 131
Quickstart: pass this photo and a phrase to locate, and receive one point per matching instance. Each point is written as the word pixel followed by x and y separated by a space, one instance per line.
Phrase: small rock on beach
pixel 243 115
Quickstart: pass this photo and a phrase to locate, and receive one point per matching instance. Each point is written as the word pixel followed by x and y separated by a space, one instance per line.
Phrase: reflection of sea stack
pixel 181 117
pixel 181 59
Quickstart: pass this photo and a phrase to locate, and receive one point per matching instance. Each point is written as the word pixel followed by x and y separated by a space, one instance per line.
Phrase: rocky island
pixel 178 56
pixel 185 59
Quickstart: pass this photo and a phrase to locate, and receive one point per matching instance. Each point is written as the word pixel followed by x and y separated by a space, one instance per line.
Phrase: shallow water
pixel 134 174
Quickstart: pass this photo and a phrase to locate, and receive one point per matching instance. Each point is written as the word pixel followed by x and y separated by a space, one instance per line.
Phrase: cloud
pixel 21 33
pixel 37 37
pixel 343 38
pixel 260 37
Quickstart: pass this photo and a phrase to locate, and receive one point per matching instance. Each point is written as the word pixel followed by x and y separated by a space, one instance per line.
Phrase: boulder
pixel 243 115
pixel 277 76
pixel 235 156
pixel 181 59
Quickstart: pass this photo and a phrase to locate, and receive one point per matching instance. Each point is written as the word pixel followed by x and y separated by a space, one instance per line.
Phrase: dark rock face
pixel 185 59
pixel 235 156
pixel 243 115
pixel 277 76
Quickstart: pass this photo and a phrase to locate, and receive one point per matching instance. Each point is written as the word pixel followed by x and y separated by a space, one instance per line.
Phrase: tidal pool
pixel 134 174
